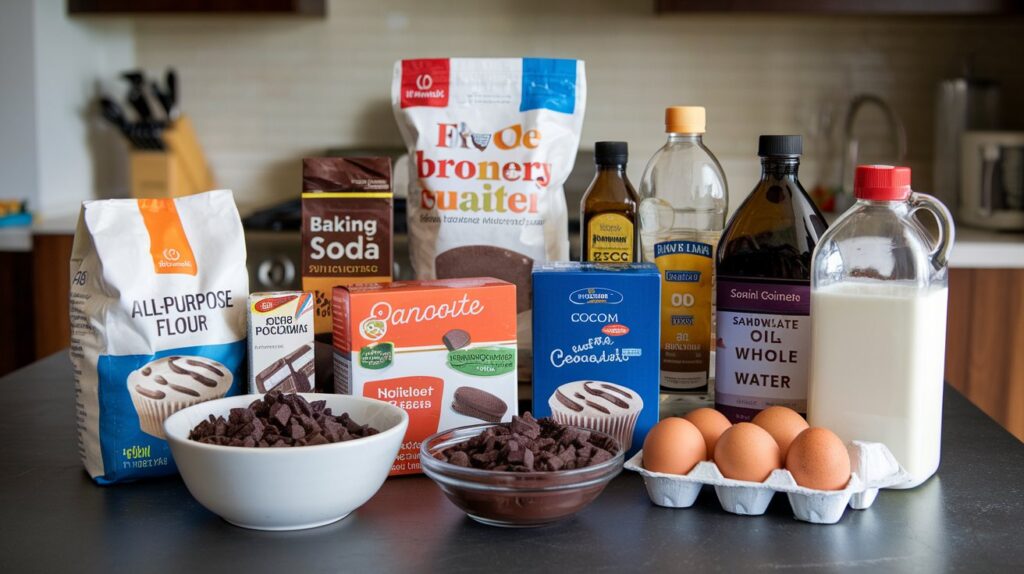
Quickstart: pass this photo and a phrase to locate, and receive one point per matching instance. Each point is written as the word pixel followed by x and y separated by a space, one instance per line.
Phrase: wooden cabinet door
pixel 51 288
pixel 985 342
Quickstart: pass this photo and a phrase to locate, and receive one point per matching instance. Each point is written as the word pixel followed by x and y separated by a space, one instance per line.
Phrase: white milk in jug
pixel 883 368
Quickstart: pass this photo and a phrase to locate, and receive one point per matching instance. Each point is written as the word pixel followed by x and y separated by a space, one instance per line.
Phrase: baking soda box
pixel 596 329
pixel 444 350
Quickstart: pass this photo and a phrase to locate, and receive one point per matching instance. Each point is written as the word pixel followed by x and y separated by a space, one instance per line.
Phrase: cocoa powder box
pixel 596 329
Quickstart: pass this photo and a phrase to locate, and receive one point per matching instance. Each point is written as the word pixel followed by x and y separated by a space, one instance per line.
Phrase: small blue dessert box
pixel 596 330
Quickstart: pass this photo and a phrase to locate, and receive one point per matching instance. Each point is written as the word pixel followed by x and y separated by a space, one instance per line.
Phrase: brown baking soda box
pixel 347 213
pixel 444 350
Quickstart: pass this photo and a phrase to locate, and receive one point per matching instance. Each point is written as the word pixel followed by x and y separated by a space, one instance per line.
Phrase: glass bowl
pixel 514 499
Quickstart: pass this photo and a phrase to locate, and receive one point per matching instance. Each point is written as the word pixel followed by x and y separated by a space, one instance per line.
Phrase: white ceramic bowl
pixel 287 488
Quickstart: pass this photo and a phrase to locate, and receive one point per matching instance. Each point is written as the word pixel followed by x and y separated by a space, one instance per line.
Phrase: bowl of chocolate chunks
pixel 523 473
pixel 285 461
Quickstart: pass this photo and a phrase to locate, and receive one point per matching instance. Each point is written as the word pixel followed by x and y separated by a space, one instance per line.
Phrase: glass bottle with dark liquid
pixel 763 289
pixel 608 210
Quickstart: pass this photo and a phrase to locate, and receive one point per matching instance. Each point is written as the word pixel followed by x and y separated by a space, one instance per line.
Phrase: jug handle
pixel 944 219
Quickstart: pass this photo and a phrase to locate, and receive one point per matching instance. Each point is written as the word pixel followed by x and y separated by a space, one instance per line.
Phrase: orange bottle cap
pixel 685 119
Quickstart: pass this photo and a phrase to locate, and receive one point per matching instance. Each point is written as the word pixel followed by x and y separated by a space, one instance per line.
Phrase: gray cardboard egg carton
pixel 873 467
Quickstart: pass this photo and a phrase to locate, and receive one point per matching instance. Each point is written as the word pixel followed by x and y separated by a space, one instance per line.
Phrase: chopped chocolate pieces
pixel 527 444
pixel 280 420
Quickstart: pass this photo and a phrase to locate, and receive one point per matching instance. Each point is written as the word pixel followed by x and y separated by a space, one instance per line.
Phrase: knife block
pixel 179 170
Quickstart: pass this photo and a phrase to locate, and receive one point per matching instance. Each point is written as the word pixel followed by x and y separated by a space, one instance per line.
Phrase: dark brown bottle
pixel 608 211
pixel 763 291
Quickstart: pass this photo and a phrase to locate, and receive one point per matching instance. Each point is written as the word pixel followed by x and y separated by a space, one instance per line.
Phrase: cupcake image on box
pixel 167 385
pixel 600 406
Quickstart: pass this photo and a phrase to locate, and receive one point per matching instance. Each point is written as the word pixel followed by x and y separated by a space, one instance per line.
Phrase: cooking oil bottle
pixel 683 202
pixel 764 289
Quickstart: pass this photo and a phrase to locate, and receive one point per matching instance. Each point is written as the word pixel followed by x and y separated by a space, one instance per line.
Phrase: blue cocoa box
pixel 595 347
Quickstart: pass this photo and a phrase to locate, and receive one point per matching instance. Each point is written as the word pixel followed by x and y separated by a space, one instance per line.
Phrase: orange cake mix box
pixel 445 351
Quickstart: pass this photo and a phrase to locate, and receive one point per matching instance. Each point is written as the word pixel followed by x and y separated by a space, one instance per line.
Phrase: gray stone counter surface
pixel 969 518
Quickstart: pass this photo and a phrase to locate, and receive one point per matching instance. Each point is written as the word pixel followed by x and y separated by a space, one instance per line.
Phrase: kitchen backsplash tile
pixel 265 92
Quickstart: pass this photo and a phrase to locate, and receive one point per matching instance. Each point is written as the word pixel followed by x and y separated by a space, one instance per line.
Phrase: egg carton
pixel 872 464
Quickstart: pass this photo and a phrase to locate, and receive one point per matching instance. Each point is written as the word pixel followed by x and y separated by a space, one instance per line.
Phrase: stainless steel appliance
pixel 964 103
pixel 992 180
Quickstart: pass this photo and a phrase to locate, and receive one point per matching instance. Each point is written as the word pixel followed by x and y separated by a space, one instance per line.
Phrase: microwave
pixel 992 180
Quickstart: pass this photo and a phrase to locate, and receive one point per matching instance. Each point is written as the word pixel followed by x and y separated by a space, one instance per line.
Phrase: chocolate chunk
pixel 241 416
pixel 600 456
pixel 526 427
pixel 479 404
pixel 278 420
pixel 514 452
pixel 455 339
pixel 281 413
pixel 528 459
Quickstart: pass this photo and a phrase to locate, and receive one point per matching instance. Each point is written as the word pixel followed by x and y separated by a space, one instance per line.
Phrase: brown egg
pixel 746 451
pixel 818 459
pixel 711 425
pixel 673 446
pixel 783 424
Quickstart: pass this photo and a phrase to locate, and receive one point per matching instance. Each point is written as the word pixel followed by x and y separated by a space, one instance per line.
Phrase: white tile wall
pixel 266 91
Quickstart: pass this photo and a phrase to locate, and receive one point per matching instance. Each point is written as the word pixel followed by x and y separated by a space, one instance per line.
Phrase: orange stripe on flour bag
pixel 168 244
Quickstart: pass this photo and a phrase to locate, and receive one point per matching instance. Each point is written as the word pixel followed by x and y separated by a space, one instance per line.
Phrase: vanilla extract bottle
pixel 608 210
pixel 763 291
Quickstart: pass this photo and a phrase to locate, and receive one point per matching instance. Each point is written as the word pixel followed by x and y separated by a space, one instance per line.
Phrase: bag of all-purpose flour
pixel 491 142
pixel 159 292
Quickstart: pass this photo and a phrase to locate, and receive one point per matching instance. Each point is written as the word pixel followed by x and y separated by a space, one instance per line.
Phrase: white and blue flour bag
pixel 159 293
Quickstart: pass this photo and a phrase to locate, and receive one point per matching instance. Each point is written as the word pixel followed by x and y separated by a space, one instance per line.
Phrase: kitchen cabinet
pixel 847 7
pixel 51 254
pixel 17 345
pixel 282 7
pixel 985 342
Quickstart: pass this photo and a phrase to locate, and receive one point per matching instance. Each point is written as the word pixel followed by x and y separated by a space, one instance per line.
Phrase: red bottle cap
pixel 881 182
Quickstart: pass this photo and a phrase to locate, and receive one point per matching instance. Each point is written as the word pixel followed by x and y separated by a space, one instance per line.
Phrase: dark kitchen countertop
pixel 54 518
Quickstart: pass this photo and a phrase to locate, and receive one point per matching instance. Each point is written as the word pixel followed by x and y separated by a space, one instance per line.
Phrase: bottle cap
pixel 780 145
pixel 611 153
pixel 685 120
pixel 881 182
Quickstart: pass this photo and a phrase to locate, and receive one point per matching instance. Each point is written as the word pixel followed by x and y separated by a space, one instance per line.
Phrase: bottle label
pixel 610 238
pixel 764 343
pixel 686 278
